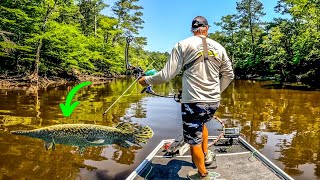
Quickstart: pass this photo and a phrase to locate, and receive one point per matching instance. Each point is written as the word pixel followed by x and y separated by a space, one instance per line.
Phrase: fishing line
pixel 124 92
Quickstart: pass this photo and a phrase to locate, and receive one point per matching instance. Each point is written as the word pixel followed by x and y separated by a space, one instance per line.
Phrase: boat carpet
pixel 237 163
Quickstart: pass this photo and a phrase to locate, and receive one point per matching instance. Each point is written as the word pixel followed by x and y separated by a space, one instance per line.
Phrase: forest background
pixel 69 38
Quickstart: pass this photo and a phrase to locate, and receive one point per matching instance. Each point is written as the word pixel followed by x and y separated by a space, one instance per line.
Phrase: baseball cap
pixel 197 22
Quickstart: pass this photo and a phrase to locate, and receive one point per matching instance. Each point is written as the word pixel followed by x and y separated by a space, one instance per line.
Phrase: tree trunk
pixel 95 25
pixel 95 20
pixel 252 40
pixel 35 75
pixel 37 62
pixel 282 76
pixel 114 39
pixel 106 38
pixel 233 50
pixel 127 55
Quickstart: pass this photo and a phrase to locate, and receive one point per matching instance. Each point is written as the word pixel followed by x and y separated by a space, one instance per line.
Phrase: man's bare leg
pixel 198 158
pixel 205 135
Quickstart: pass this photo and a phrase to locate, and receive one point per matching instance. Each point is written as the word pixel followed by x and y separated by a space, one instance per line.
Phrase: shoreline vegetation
pixel 21 82
pixel 72 40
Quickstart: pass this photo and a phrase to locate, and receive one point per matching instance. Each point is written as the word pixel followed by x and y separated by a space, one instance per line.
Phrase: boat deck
pixel 234 161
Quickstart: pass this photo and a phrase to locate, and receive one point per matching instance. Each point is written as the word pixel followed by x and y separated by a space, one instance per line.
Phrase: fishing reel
pixel 148 90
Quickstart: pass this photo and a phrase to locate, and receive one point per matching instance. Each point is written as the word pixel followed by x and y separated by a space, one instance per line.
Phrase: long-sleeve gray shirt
pixel 201 82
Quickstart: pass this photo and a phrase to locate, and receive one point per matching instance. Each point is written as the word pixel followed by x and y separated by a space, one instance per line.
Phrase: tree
pixel 50 8
pixel 229 26
pixel 7 46
pixel 90 10
pixel 16 25
pixel 250 12
pixel 277 48
pixel 64 38
pixel 107 28
pixel 306 36
pixel 129 17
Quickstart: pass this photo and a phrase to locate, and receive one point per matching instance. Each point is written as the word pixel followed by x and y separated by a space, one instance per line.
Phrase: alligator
pixel 86 135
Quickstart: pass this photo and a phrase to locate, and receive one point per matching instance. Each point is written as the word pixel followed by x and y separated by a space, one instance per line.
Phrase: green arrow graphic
pixel 68 108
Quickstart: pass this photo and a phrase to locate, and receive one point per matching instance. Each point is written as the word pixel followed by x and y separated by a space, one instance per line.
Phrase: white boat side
pixel 275 169
pixel 148 159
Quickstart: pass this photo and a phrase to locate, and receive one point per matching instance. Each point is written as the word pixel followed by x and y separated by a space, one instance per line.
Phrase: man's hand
pixel 142 81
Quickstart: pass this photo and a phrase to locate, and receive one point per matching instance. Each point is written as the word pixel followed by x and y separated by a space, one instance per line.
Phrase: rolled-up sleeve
pixel 226 71
pixel 170 70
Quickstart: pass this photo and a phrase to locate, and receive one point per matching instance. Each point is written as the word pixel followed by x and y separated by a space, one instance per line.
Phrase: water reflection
pixel 283 124
pixel 124 155
pixel 34 108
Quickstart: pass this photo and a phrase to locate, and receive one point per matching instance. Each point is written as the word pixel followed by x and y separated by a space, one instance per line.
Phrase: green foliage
pixel 129 16
pixel 284 48
pixel 64 37
pixel 72 36
pixel 89 11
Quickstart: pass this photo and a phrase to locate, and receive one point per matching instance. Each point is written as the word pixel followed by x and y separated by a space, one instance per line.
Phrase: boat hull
pixel 238 160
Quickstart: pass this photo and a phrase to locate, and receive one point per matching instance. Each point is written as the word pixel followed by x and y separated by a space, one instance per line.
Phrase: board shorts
pixel 194 115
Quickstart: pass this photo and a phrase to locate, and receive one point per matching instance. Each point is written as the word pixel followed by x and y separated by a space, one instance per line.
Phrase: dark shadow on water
pixel 103 175
pixel 289 86
pixel 166 171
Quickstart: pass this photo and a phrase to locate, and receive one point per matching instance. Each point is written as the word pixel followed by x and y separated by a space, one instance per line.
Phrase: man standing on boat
pixel 202 61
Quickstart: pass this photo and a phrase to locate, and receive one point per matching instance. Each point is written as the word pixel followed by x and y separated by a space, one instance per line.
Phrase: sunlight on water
pixel 283 124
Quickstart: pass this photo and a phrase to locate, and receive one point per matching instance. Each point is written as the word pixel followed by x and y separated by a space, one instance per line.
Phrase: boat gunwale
pixel 279 172
pixel 145 162
pixel 275 169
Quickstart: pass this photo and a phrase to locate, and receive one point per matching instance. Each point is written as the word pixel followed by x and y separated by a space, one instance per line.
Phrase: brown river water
pixel 283 124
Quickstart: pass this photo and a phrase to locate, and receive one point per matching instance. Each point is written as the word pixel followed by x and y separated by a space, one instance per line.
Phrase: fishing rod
pixel 138 73
pixel 139 76
pixel 148 89
pixel 171 89
pixel 176 97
